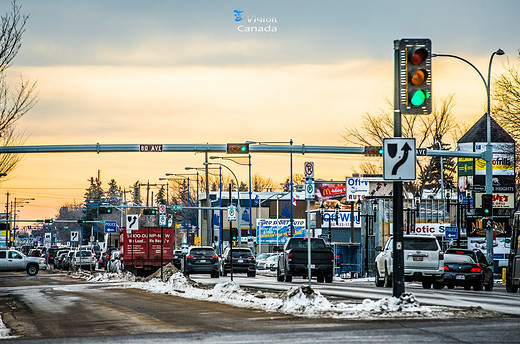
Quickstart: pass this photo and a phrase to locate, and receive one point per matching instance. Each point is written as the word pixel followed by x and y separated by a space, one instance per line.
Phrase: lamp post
pixel 238 199
pixel 22 201
pixel 488 154
pixel 250 192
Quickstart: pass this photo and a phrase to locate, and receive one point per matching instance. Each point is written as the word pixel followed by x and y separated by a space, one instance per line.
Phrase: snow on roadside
pixel 4 331
pixel 298 301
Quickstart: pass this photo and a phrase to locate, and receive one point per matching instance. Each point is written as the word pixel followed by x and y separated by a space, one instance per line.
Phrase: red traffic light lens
pixel 419 56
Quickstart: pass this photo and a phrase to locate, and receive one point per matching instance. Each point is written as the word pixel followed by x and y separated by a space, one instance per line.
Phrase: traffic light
pixel 373 150
pixel 234 234
pixel 415 83
pixel 149 211
pixel 237 148
pixel 487 204
pixel 105 210
pixel 48 221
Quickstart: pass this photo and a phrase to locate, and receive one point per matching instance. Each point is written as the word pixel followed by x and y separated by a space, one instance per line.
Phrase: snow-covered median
pixel 299 301
pixel 5 333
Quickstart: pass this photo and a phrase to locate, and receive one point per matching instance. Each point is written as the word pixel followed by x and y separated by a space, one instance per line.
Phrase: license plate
pixel 313 266
pixel 460 277
pixel 417 258
pixel 202 261
pixel 240 260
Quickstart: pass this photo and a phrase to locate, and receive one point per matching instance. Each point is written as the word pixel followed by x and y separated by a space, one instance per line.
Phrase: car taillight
pixel 251 258
pixel 475 269
pixel 216 257
pixel 189 257
pixel 108 256
pixel 93 258
pixel 228 258
pixel 290 256
pixel 446 268
pixel 441 255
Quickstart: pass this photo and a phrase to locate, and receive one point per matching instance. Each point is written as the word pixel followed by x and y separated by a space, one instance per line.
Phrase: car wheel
pixel 438 285
pixel 328 279
pixel 489 285
pixel 32 269
pixel 478 286
pixel 450 285
pixel 379 282
pixel 214 274
pixel 320 279
pixel 510 288
pixel 426 284
pixel 279 276
pixel 388 279
pixel 467 287
pixel 251 274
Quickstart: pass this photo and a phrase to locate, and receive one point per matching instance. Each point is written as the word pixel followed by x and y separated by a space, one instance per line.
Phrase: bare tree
pixel 259 183
pixel 13 103
pixel 429 131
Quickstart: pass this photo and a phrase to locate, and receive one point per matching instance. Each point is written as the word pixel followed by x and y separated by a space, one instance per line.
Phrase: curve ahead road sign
pixel 399 158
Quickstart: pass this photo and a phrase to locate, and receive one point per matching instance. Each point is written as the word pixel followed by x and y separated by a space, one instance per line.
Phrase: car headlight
pixel 42 261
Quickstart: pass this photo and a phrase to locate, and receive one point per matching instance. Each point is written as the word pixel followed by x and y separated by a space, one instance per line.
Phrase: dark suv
pixel 243 261
pixel 200 260
pixel 479 258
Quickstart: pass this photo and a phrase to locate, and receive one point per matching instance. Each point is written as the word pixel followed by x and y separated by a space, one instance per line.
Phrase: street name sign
pixel 399 159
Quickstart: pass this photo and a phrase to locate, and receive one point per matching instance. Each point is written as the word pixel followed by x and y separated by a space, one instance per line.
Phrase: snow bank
pixel 4 331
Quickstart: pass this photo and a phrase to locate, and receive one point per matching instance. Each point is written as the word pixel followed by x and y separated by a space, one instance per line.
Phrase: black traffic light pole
pixel 398 266
pixel 230 236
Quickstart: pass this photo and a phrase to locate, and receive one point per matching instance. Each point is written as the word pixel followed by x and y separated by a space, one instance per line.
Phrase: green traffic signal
pixel 419 97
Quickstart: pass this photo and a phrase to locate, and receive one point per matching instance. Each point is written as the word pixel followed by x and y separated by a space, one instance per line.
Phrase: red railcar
pixel 143 251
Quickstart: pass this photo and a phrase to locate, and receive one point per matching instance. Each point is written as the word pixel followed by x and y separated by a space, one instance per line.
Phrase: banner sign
pixel 343 220
pixel 274 231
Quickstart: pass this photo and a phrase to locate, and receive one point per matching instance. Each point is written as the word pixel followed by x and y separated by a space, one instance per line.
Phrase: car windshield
pixel 424 244
pixel 85 254
pixel 242 253
pixel 458 258
pixel 202 252
pixel 263 256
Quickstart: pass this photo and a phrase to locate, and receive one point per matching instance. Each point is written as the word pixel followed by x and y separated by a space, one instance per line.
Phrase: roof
pixel 478 132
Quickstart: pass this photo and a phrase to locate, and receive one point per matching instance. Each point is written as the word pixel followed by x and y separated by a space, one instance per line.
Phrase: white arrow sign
pixel 399 158
pixel 132 222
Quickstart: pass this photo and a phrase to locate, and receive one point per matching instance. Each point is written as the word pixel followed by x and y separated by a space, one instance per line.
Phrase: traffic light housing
pixel 149 211
pixel 487 204
pixel 234 234
pixel 48 221
pixel 105 210
pixel 82 222
pixel 373 150
pixel 415 81
pixel 237 148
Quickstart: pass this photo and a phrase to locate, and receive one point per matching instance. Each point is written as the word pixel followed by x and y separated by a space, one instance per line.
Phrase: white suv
pixel 423 261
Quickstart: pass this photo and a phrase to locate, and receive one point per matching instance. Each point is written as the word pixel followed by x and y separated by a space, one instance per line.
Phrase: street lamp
pixel 22 201
pixel 250 194
pixel 488 154
pixel 238 198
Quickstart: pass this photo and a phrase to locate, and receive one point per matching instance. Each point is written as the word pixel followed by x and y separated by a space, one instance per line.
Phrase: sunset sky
pixel 166 72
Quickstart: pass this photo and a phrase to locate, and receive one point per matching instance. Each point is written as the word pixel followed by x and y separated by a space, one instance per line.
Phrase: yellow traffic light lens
pixel 419 77
pixel 419 97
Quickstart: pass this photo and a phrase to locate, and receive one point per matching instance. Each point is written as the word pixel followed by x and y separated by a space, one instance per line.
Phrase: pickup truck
pixel 294 259
pixel 13 260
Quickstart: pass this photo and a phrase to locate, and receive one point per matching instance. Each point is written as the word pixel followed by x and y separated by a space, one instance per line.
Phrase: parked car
pixel 462 270
pixel 60 258
pixel 13 260
pixel 293 260
pixel 423 261
pixel 479 258
pixel 243 261
pixel 177 258
pixel 84 259
pixel 114 263
pixel 67 263
pixel 266 263
pixel 35 252
pixel 200 260
pixel 50 254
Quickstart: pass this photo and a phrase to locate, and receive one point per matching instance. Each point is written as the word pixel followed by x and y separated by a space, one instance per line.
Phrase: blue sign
pixel 110 226
pixel 451 232
pixel 276 231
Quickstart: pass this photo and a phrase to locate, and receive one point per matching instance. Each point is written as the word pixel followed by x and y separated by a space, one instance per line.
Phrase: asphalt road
pixel 55 308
